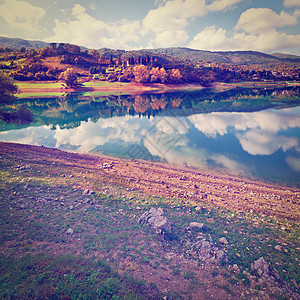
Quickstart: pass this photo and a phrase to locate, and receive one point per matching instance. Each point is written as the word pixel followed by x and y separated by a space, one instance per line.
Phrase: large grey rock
pixel 265 270
pixel 208 250
pixel 155 218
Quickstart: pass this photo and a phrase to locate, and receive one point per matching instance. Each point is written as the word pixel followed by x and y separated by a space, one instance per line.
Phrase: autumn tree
pixel 175 75
pixel 7 86
pixel 69 77
pixel 154 74
pixel 163 75
pixel 141 73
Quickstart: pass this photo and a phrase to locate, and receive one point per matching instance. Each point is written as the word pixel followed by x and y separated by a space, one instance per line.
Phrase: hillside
pixel 72 226
pixel 170 65
pixel 233 57
pixel 16 43
pixel 237 58
pixel 181 53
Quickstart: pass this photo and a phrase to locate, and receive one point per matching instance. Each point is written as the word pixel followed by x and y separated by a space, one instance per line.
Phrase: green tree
pixel 7 86
pixel 69 77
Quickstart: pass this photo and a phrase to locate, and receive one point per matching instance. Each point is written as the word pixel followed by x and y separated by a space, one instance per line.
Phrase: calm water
pixel 253 133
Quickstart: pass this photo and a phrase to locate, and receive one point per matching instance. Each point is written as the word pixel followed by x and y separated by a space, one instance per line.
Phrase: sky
pixel 217 25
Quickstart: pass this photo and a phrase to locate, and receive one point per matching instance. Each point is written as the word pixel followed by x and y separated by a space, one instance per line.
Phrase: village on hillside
pixel 142 66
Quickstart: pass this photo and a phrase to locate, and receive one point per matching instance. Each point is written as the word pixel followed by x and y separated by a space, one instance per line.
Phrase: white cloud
pixel 259 20
pixel 257 132
pixel 90 135
pixel 291 3
pixel 294 163
pixel 219 5
pixel 174 14
pixel 257 142
pixel 93 6
pixel 22 15
pixel 296 13
pixel 214 39
pixel 255 30
pixel 171 38
pixel 86 30
pixel 169 20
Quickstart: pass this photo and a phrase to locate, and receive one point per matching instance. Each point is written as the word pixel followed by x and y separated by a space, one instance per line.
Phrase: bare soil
pixel 197 188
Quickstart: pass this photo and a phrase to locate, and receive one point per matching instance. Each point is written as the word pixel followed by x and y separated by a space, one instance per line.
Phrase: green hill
pixel 16 43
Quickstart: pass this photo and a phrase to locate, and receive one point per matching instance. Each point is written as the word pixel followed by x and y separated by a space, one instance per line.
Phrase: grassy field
pixel 108 254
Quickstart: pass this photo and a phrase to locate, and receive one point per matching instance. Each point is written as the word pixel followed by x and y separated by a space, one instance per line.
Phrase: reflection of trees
pixel 158 103
pixel 70 110
pixel 141 104
pixel 21 116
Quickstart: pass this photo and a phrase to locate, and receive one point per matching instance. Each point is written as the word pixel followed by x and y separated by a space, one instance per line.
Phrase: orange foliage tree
pixel 141 73
pixel 69 77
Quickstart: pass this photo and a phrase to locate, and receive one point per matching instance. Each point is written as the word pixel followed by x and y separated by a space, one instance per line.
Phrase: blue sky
pixel 218 25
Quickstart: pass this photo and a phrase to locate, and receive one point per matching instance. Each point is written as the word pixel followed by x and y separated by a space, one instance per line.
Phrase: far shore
pixel 105 87
pixel 56 88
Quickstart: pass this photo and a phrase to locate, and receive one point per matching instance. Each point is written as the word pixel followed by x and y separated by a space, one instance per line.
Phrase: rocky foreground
pixel 187 233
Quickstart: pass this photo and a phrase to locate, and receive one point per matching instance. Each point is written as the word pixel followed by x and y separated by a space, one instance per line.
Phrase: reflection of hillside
pixel 70 110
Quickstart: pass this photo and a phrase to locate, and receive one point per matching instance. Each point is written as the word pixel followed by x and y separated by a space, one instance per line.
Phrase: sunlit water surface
pixel 262 144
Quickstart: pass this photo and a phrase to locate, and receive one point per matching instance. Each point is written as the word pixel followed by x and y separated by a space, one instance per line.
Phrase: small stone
pixel 223 241
pixel 196 225
pixel 283 228
pixel 278 248
pixel 138 208
pixel 70 231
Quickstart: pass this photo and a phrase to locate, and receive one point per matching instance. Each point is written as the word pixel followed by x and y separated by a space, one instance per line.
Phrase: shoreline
pixel 56 88
pixel 164 180
pixel 133 88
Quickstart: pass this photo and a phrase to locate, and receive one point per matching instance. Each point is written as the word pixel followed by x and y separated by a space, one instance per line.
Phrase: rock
pixel 86 191
pixel 265 270
pixel 196 225
pixel 208 250
pixel 70 231
pixel 161 223
pixel 156 219
pixel 278 248
pixel 221 255
pixel 223 241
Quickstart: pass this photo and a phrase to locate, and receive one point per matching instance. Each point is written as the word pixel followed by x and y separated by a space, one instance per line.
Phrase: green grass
pixel 41 260
pixel 39 85
pixel 67 276
pixel 103 84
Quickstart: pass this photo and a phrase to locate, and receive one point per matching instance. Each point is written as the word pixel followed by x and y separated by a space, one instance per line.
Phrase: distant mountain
pixel 16 43
pixel 284 56
pixel 232 57
pixel 178 53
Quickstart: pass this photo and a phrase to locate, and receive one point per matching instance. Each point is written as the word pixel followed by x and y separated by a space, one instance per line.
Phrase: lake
pixel 247 132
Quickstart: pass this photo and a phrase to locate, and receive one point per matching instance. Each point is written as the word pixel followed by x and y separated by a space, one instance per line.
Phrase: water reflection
pixel 68 111
pixel 235 134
